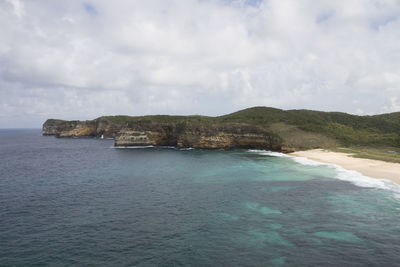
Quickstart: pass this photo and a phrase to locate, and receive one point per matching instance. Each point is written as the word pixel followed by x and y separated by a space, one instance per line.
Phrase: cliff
pixel 182 134
pixel 256 128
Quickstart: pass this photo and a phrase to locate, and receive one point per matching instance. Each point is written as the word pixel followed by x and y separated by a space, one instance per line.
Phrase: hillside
pixel 345 129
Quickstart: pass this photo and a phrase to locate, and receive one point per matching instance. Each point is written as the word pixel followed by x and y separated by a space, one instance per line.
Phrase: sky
pixel 83 59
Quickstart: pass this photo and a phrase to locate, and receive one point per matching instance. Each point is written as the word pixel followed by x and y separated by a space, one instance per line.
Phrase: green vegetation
pixel 294 137
pixel 301 129
pixel 389 154
pixel 123 119
pixel 345 129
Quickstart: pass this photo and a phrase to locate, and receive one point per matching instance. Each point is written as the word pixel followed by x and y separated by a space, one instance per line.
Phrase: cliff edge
pixel 182 134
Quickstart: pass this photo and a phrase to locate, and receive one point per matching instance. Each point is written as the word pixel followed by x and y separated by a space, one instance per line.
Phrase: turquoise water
pixel 67 202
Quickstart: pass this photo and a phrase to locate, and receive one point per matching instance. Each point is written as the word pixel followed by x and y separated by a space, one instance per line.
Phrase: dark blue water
pixel 66 202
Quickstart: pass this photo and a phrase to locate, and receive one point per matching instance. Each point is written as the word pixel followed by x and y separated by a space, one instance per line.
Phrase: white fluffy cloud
pixel 83 59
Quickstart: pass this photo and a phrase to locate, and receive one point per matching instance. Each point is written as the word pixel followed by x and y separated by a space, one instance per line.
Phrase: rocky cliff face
pixel 93 128
pixel 61 128
pixel 182 134
pixel 227 136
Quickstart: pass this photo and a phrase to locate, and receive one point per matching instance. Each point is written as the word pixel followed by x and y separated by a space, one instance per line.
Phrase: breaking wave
pixel 343 174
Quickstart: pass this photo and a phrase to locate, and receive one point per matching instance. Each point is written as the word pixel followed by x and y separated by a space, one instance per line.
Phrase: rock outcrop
pixel 180 134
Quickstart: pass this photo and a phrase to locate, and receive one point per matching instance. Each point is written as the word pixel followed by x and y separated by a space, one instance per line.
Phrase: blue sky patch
pixel 90 9
pixel 376 24
pixel 323 17
pixel 255 3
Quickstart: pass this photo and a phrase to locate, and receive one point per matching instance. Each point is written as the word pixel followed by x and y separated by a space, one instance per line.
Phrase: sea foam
pixel 186 148
pixel 136 147
pixel 131 147
pixel 268 153
pixel 343 174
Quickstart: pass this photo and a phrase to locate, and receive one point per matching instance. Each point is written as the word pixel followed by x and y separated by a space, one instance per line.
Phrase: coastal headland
pixel 183 133
pixel 257 127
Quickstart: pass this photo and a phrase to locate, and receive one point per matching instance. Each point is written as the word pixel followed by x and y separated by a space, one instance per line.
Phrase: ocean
pixel 82 202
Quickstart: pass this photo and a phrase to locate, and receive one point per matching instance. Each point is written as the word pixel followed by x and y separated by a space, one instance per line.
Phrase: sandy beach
pixel 372 168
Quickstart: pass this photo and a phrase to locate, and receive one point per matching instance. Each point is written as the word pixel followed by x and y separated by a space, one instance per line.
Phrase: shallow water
pixel 83 202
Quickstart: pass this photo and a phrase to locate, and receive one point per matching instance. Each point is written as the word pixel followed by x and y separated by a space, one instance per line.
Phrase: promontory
pixel 253 128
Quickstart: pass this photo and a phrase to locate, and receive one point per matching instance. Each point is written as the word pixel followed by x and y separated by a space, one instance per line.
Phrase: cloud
pixel 80 60
pixel 18 7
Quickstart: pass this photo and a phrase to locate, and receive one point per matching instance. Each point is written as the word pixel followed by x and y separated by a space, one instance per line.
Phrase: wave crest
pixel 343 174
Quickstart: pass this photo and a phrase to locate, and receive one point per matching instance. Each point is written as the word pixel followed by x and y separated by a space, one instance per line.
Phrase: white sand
pixel 372 168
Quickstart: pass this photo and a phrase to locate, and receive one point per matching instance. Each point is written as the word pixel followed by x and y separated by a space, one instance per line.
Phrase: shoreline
pixel 369 167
